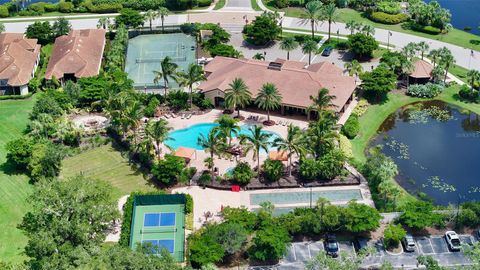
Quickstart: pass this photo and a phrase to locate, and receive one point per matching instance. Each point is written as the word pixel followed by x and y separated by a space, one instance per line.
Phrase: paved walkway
pixel 238 5
pixel 114 235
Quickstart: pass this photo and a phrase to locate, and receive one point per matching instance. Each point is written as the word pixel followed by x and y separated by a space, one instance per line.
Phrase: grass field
pixel 220 4
pixel 14 189
pixel 105 163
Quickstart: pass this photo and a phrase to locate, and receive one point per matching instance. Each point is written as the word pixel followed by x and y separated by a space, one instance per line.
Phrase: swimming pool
pixel 188 137
pixel 304 196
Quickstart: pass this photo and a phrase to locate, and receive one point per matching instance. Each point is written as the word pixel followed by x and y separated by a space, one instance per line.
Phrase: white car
pixel 453 240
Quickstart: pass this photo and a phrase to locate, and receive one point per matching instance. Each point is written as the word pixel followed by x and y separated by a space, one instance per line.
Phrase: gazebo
pixel 186 153
pixel 421 74
pixel 278 155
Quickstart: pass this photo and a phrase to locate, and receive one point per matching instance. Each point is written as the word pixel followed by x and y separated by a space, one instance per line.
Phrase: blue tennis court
pixel 159 219
pixel 158 245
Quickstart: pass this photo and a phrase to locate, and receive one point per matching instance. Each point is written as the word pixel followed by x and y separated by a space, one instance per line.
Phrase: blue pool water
pixel 305 196
pixel 188 137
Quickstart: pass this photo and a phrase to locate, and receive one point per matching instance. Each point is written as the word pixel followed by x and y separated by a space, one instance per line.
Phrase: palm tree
pixel 151 15
pixel 312 13
pixel 259 56
pixel 132 115
pixel 237 95
pixel 322 101
pixel 447 61
pixel 289 44
pixel 329 12
pixel 193 75
pixel 212 145
pixel 157 133
pixel 163 12
pixel 407 67
pixel 423 47
pixel 227 127
pixel 353 25
pixel 354 68
pixel 169 70
pixel 409 50
pixel 268 98
pixel 435 55
pixel 103 23
pixel 255 140
pixel 322 134
pixel 309 47
pixel 368 30
pixel 474 76
pixel 292 144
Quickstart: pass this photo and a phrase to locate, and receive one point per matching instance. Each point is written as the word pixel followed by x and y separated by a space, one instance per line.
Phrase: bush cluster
pixel 469 94
pixel 327 167
pixel 272 170
pixel 3 11
pixel 428 90
pixel 242 173
pixel 389 7
pixel 351 127
pixel 385 18
pixel 204 3
pixel 425 29
pixel 393 235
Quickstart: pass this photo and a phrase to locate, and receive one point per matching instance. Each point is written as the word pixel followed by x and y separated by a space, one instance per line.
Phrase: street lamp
pixel 388 40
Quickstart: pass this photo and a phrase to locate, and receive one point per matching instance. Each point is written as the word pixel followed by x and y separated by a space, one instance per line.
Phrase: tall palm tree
pixel 268 98
pixel 157 133
pixel 435 55
pixel 255 140
pixel 163 12
pixel 132 115
pixel 309 47
pixel 447 61
pixel 407 67
pixel 289 44
pixel 322 101
pixel 237 95
pixel 423 48
pixel 103 23
pixel 368 30
pixel 354 68
pixel 353 26
pixel 409 50
pixel 151 15
pixel 213 145
pixel 312 13
pixel 322 134
pixel 227 128
pixel 329 13
pixel 292 144
pixel 169 70
pixel 193 75
pixel 473 76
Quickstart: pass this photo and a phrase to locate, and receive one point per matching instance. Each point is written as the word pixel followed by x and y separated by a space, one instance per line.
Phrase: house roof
pixel 422 69
pixel 18 57
pixel 79 53
pixel 295 82
pixel 185 152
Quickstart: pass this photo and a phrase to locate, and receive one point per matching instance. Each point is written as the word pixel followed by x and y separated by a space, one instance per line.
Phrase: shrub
pixel 428 90
pixel 242 173
pixel 282 3
pixel 65 7
pixel 386 18
pixel 188 204
pixel 204 3
pixel 342 45
pixel 20 152
pixel 331 165
pixel 224 50
pixel 468 94
pixel 393 235
pixel 362 45
pixel 151 107
pixel 178 100
pixel 37 7
pixel 50 7
pixel 3 11
pixel 351 127
pixel 168 169
pixel 389 7
pixel 346 146
pixel 272 170
pixel 205 178
pixel 425 29
pixel 361 107
pixel 186 175
pixel 309 169
pixel 270 243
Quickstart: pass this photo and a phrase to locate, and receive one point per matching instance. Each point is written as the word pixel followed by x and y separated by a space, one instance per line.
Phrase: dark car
pixel 331 245
pixel 327 51
pixel 360 243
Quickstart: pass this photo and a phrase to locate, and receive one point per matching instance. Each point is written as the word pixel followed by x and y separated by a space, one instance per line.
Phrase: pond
pixel 437 149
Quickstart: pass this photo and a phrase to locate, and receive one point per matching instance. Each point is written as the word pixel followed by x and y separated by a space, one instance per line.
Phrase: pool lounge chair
pixel 182 116
pixel 189 116
pixel 173 115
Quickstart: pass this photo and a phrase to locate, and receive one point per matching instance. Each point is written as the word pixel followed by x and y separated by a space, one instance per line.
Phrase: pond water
pixel 437 149
pixel 464 13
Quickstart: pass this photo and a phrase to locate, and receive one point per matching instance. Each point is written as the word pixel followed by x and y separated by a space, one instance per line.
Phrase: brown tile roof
pixel 18 58
pixel 295 82
pixel 79 53
pixel 422 69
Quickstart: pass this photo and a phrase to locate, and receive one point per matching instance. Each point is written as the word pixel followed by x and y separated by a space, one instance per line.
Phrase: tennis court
pixel 160 221
pixel 145 53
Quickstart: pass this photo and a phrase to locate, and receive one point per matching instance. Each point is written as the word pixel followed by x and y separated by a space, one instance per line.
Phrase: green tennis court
pixel 145 52
pixel 160 221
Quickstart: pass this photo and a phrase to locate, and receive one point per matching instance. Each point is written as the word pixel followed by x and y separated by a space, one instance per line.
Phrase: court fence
pixel 169 29
pixel 159 199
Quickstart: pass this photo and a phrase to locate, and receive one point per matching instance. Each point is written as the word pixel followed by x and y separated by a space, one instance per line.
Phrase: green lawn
pixel 14 188
pixel 255 5
pixel 47 51
pixel 220 4
pixel 105 163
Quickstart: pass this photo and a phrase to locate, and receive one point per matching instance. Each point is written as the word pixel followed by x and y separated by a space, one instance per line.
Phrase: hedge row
pixel 16 96
pixel 426 29
pixel 385 18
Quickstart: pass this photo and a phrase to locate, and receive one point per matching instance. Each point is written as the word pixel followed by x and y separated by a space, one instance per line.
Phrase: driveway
pixel 238 5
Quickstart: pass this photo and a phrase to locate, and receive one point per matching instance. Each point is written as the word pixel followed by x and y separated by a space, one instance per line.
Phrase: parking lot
pixel 435 246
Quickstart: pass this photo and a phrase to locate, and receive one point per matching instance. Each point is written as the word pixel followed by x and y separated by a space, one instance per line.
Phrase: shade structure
pixel 278 155
pixel 185 152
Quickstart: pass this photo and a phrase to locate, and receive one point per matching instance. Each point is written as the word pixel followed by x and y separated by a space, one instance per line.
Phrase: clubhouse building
pixel 19 58
pixel 295 81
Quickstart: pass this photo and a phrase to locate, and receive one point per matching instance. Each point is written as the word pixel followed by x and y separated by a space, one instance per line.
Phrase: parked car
pixel 331 245
pixel 360 243
pixel 327 51
pixel 408 243
pixel 453 241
